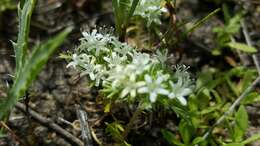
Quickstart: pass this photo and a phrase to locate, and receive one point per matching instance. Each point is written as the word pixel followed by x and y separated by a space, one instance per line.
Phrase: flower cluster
pixel 125 74
pixel 150 10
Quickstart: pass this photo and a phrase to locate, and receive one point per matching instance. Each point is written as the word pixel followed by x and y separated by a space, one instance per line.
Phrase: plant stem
pixel 132 120
pixel 249 43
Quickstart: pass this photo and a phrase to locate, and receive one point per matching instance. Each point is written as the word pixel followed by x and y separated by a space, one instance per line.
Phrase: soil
pixel 58 89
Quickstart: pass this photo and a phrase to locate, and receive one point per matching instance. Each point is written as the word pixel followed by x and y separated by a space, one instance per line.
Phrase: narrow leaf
pixel 21 46
pixel 31 69
pixel 234 144
pixel 132 10
pixel 242 47
pixel 252 139
pixel 202 21
pixel 241 119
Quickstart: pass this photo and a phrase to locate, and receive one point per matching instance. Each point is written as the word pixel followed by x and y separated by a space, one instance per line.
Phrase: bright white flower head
pixel 153 87
pixel 95 41
pixel 115 59
pixel 125 74
pixel 177 91
pixel 150 10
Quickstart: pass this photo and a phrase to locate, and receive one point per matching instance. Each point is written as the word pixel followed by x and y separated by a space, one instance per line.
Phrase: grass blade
pixel 132 10
pixel 200 22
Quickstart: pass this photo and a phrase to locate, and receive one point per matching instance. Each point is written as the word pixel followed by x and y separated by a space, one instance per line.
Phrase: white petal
pixel 92 76
pixel 133 93
pixel 153 96
pixel 139 84
pixel 143 90
pixel 185 92
pixel 163 91
pixel 148 78
pixel 171 95
pixel 124 92
pixel 182 100
pixel 159 80
pixel 73 64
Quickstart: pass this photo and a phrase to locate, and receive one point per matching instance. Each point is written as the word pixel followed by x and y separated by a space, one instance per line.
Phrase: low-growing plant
pixel 213 95
pixel 28 66
pixel 124 75
pixel 225 33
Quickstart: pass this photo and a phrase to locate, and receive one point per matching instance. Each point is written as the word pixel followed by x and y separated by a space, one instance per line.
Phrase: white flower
pixel 140 63
pixel 78 60
pixel 100 74
pixel 94 41
pixel 178 91
pixel 89 69
pixel 75 61
pixel 117 76
pixel 153 87
pixel 115 59
pixel 162 56
pixel 131 86
pixel 123 48
pixel 150 10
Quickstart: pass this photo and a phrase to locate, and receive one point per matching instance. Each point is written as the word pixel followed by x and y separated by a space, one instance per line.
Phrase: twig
pixel 14 136
pixel 50 124
pixel 233 106
pixel 249 43
pixel 85 131
pixel 95 137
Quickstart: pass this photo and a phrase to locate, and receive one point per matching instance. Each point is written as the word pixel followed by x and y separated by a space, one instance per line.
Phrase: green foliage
pixel 115 130
pixel 114 67
pixel 241 124
pixel 7 4
pixel 242 47
pixel 28 67
pixel 20 48
pixel 186 131
pixel 202 21
pixel 123 11
pixel 215 92
pixel 225 33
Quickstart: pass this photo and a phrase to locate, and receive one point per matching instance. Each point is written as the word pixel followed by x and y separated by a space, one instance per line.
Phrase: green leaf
pixel 198 140
pixel 21 46
pixel 251 98
pixel 167 135
pixel 252 139
pixel 241 119
pixel 31 69
pixel 132 10
pixel 115 130
pixel 242 47
pixel 234 144
pixel 186 131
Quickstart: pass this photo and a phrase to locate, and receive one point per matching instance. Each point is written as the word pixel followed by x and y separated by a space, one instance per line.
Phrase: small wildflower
pixel 78 60
pixel 94 41
pixel 153 87
pixel 162 56
pixel 115 59
pixel 123 73
pixel 179 92
pixel 131 86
